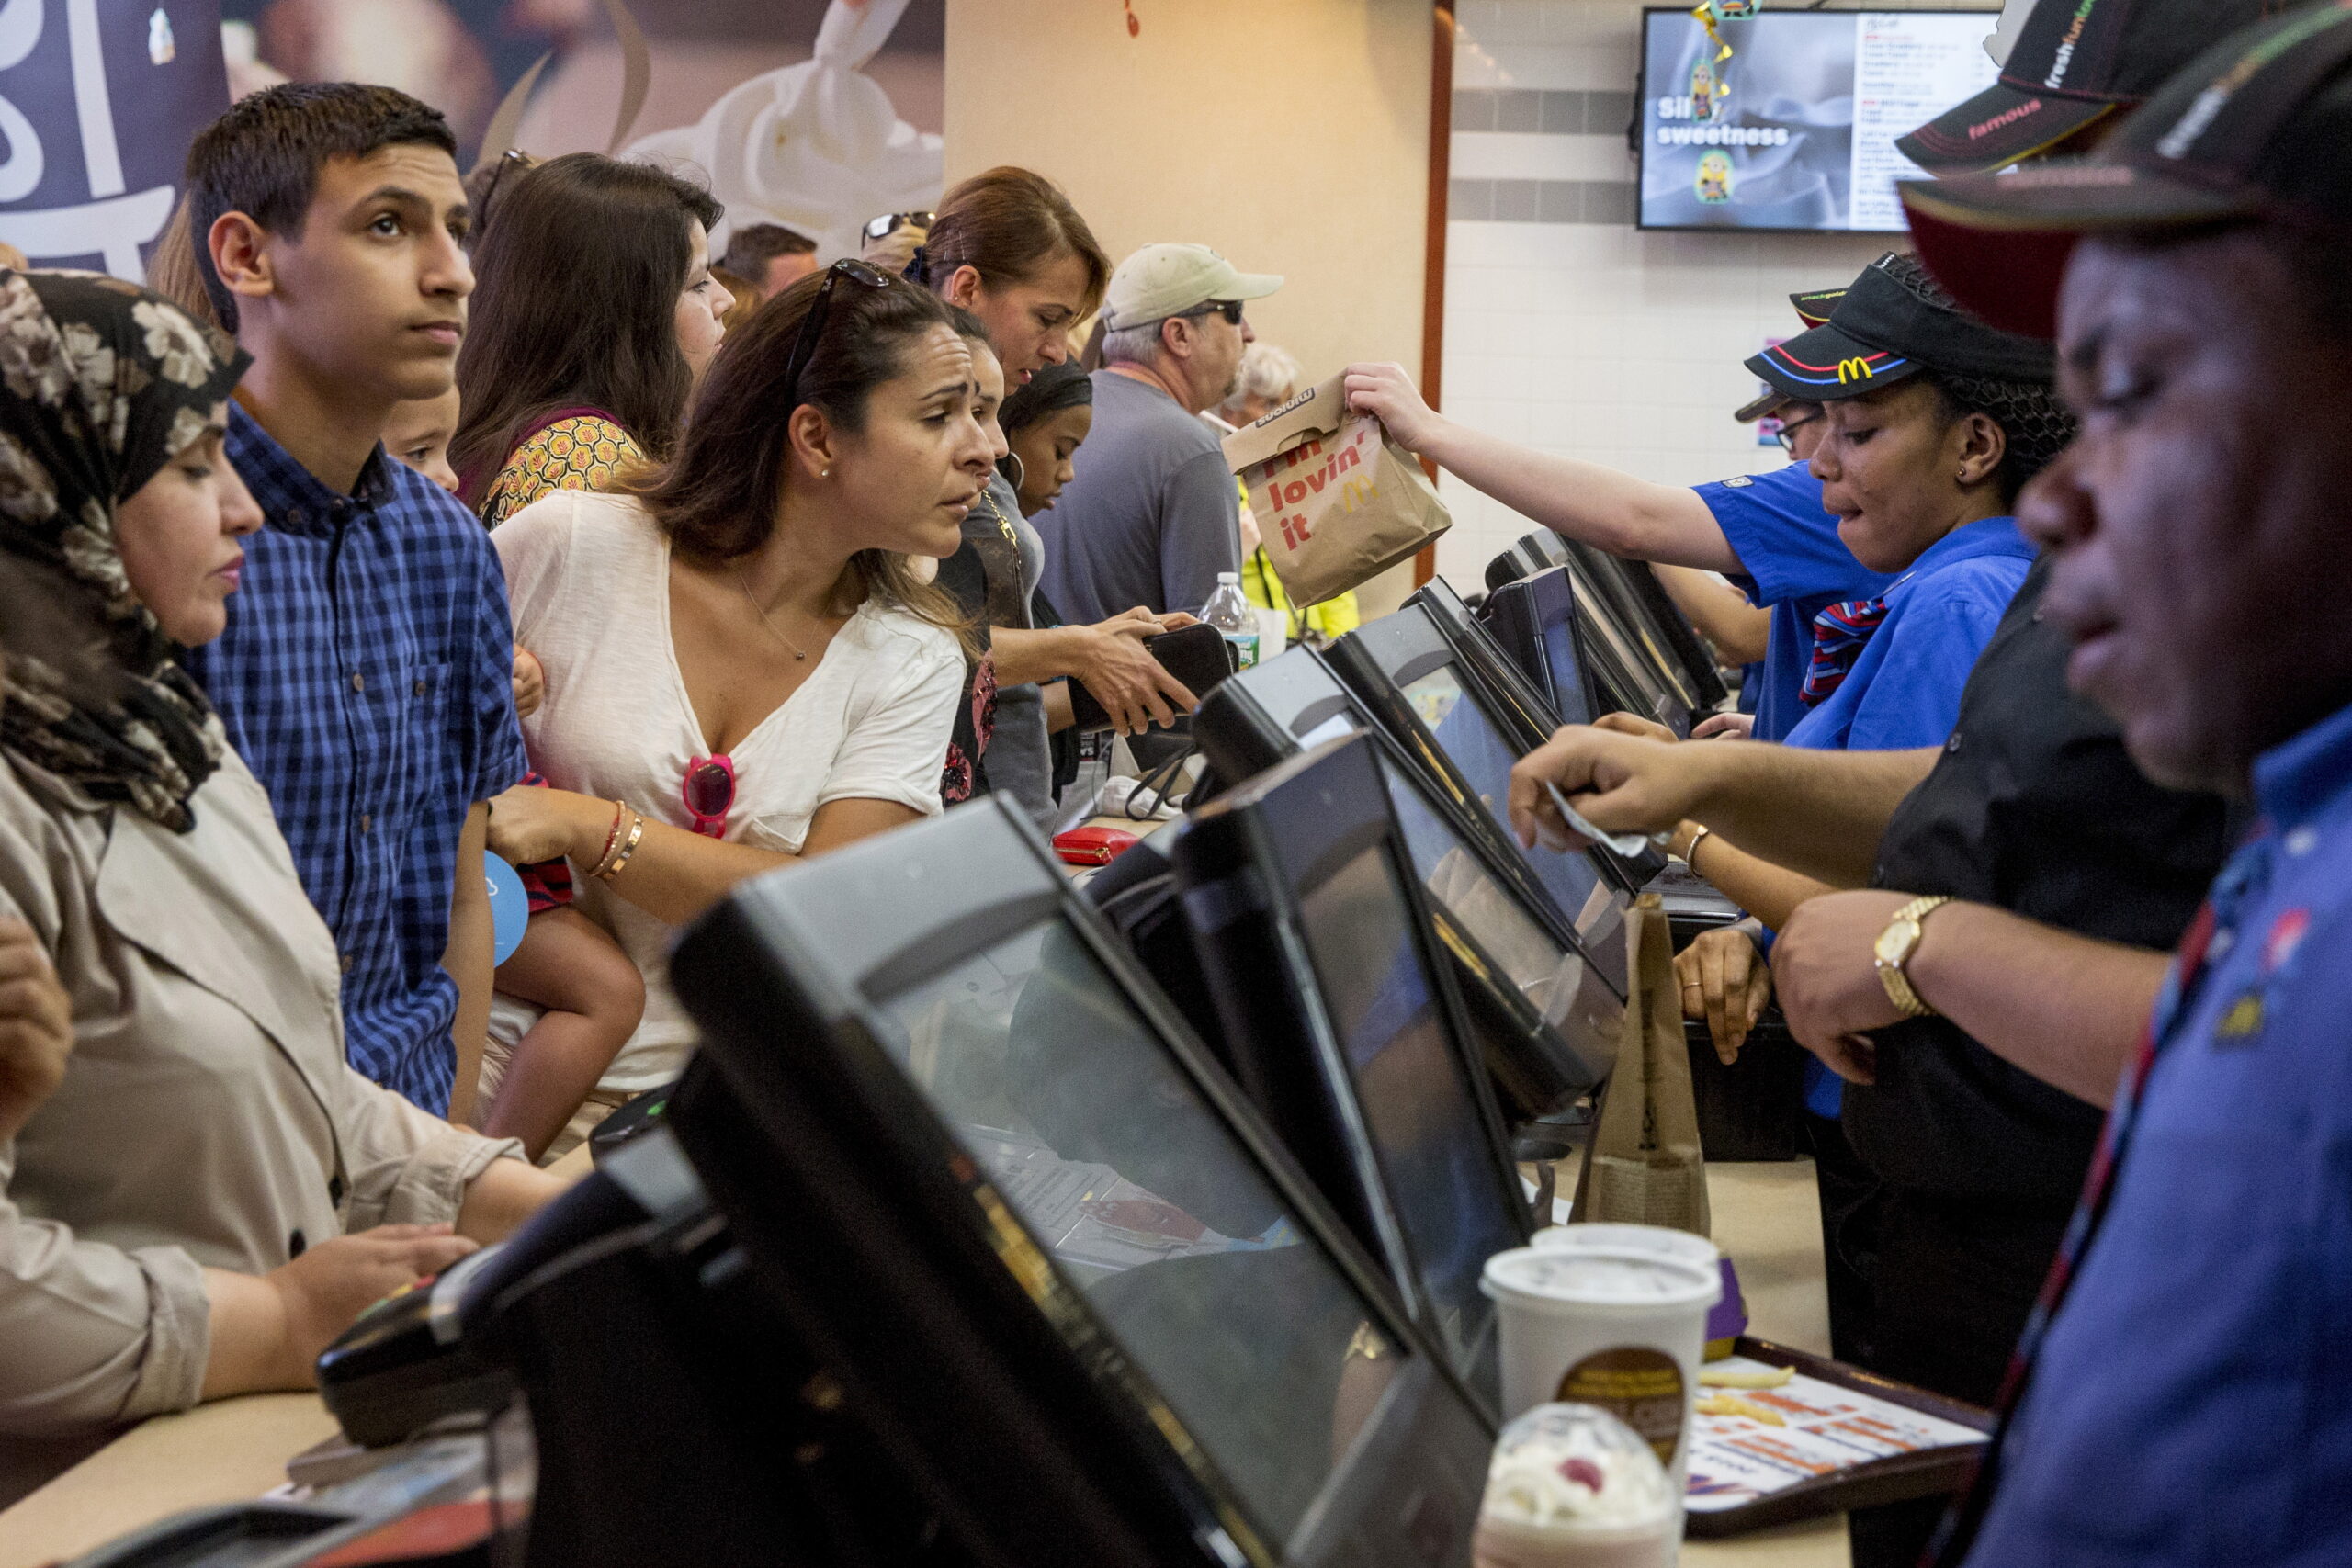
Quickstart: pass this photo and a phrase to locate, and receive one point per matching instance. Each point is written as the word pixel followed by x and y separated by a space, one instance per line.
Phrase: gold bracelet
pixel 620 862
pixel 612 839
pixel 1690 849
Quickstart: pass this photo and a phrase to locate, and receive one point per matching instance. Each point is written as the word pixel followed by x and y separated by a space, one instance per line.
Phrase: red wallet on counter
pixel 1092 846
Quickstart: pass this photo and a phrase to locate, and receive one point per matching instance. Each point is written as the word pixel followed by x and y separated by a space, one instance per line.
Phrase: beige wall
pixel 1293 135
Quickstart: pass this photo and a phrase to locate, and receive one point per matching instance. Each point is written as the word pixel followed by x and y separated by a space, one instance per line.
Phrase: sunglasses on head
pixel 1229 309
pixel 813 325
pixel 889 223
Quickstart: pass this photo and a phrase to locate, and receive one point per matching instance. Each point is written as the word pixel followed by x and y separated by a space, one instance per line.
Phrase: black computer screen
pixel 1418 1101
pixel 1554 978
pixel 1098 1141
pixel 1470 739
pixel 1566 671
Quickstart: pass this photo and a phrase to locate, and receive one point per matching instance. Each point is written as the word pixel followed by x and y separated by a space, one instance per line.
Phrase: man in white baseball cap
pixel 1151 514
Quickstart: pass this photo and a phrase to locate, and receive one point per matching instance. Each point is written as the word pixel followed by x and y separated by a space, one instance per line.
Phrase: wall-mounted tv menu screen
pixel 1796 129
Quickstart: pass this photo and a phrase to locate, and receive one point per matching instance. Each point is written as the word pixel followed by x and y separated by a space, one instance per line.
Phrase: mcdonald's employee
pixel 1935 421
pixel 2181 1393
pixel 1767 532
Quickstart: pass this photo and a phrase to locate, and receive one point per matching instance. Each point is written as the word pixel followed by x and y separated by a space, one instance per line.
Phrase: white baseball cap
pixel 1164 280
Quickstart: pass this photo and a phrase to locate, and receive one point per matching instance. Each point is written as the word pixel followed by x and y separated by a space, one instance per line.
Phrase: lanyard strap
pixel 1958 1532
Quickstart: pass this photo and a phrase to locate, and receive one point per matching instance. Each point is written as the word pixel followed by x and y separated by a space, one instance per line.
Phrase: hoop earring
pixel 1019 475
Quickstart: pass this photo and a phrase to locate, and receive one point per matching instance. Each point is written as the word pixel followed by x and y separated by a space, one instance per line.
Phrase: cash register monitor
pixel 1564 1003
pixel 1533 619
pixel 1405 652
pixel 1345 1030
pixel 1512 696
pixel 1633 680
pixel 978 1155
pixel 1653 621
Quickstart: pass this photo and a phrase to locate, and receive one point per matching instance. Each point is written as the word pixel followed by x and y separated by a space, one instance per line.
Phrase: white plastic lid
pixel 1228 577
pixel 1662 1240
pixel 1546 1279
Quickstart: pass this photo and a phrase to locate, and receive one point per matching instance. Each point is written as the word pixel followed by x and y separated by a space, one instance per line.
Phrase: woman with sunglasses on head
pixel 742 666
pixel 206 1194
pixel 1007 246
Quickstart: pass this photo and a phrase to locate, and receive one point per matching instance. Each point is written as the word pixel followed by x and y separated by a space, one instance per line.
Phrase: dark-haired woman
pixel 1007 246
pixel 742 667
pixel 209 1193
pixel 593 314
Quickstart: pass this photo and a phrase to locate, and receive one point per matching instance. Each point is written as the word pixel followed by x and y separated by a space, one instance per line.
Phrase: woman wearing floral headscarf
pixel 177 1218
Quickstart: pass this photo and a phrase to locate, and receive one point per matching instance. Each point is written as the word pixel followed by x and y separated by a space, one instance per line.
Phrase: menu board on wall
pixel 1797 129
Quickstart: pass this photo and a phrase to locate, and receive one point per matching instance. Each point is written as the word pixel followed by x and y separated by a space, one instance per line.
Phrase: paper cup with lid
pixel 1623 1330
pixel 1726 1320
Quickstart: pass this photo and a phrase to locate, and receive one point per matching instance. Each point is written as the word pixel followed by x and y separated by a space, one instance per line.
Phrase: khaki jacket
pixel 207 1117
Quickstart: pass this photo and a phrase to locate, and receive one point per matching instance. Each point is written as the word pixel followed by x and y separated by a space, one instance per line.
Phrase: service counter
pixel 1765 1217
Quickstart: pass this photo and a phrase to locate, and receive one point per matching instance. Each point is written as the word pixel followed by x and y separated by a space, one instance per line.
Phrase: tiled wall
pixel 1565 328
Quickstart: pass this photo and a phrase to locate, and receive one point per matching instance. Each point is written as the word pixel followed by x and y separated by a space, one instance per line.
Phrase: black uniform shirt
pixel 2036 808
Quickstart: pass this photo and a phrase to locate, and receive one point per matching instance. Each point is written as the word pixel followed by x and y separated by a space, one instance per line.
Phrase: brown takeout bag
pixel 1644 1165
pixel 1336 501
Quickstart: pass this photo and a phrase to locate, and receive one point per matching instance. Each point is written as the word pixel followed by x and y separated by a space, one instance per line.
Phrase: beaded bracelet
pixel 628 848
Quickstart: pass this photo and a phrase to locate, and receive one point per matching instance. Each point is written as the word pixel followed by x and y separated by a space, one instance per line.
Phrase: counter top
pixel 1765 1217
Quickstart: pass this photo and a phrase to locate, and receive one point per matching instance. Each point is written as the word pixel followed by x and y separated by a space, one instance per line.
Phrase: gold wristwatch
pixel 1894 950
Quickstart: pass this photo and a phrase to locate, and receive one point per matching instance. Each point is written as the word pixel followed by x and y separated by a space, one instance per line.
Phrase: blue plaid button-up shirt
pixel 366 678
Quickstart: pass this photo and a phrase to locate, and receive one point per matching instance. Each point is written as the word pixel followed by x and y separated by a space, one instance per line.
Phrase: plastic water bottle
pixel 1230 614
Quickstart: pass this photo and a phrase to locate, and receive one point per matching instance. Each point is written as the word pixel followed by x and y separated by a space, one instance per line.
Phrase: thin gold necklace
pixel 797 651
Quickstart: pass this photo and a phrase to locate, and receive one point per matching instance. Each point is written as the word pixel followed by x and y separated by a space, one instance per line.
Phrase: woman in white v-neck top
pixel 588 575
pixel 686 621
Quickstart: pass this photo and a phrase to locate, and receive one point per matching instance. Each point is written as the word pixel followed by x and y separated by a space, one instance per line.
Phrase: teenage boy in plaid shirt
pixel 365 674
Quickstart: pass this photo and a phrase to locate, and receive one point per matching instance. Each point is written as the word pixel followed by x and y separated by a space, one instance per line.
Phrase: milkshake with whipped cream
pixel 1571 1486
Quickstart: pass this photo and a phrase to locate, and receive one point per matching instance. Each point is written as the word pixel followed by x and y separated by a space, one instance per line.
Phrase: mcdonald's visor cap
pixel 2258 126
pixel 2075 62
pixel 1164 280
pixel 1813 308
pixel 1881 333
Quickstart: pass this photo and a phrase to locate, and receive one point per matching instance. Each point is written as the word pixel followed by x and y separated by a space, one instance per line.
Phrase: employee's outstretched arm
pixel 1820 814
pixel 1597 504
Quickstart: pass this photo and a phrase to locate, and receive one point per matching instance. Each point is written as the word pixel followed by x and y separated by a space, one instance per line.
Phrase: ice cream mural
pixel 819 146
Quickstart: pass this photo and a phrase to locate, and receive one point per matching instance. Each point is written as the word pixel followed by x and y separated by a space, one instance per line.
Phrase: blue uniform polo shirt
pixel 2192 1402
pixel 1904 690
pixel 1794 563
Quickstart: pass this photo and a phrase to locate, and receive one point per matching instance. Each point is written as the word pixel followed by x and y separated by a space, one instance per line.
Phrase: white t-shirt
pixel 589 578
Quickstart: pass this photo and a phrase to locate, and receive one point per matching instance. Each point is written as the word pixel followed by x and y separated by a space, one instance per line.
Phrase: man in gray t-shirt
pixel 1152 514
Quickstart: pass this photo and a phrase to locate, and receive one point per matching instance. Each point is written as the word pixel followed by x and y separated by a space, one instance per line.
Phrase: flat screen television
pixel 1330 975
pixel 1796 130
pixel 999 1187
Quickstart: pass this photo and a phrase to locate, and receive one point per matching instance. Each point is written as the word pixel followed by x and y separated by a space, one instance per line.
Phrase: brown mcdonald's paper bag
pixel 1336 501
pixel 1644 1165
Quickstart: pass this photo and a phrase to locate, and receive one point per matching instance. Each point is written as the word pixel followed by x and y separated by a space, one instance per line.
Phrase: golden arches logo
pixel 1854 370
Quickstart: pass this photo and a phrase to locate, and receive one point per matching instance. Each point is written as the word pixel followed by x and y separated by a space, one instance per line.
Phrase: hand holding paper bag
pixel 1336 501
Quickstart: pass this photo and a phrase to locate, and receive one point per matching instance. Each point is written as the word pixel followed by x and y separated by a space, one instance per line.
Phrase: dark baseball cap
pixel 2075 62
pixel 1881 333
pixel 1813 308
pixel 2259 125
